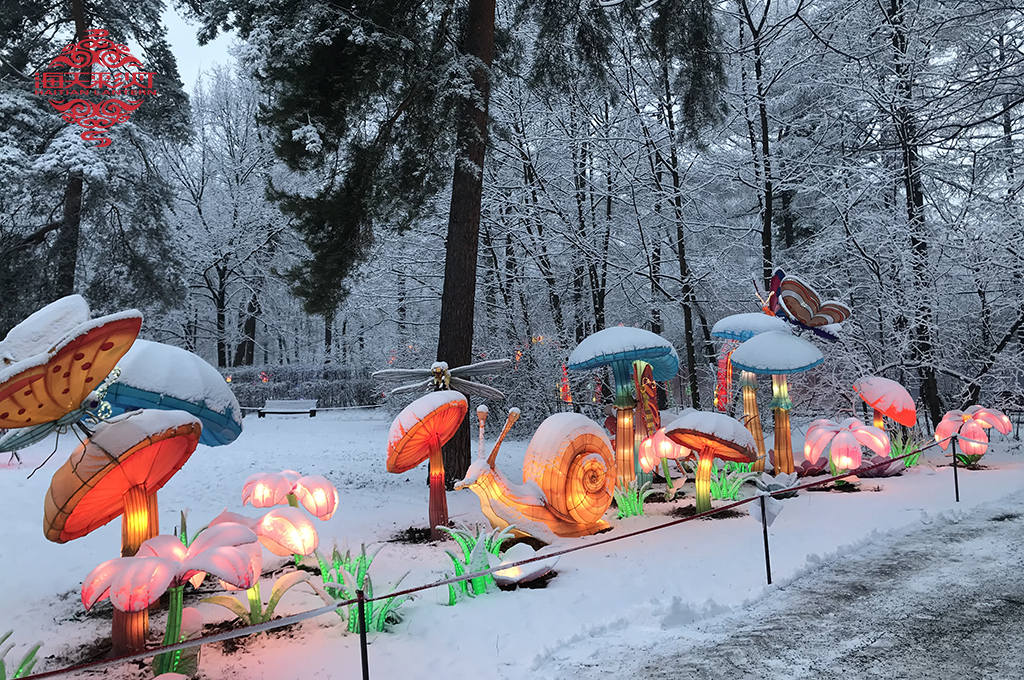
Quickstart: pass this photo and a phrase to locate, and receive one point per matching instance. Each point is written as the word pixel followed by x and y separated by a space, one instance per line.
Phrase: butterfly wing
pixel 52 385
pixel 803 304
pixel 774 307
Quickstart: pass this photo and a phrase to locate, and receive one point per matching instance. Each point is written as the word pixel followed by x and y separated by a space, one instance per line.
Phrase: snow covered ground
pixel 616 605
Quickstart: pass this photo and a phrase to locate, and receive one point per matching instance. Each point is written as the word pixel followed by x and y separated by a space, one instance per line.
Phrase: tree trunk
pixel 67 238
pixel 455 341
pixel 245 351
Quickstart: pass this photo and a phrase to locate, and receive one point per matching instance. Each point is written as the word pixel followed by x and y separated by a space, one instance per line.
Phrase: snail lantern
pixel 618 347
pixel 568 480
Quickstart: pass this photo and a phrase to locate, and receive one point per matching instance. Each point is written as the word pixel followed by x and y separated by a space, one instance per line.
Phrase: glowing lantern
pixel 286 531
pixel 846 439
pixel 116 472
pixel 417 434
pixel 968 428
pixel 163 563
pixel 887 398
pixel 316 493
pixel 619 347
pixel 711 435
pixel 778 354
pixel 740 328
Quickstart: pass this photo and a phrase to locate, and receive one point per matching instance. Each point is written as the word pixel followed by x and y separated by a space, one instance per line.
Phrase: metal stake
pixel 361 604
pixel 767 557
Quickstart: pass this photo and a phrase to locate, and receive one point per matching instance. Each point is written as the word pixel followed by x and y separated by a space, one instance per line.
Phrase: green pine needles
pixel 24 667
pixel 344 575
pixel 630 501
pixel 475 547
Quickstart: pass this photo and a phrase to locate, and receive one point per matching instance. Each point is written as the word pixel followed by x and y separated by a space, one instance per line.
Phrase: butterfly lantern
pixel 797 302
pixel 55 367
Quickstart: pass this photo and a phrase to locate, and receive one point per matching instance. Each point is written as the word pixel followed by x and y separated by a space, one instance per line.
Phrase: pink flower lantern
pixel 968 427
pixel 314 492
pixel 846 439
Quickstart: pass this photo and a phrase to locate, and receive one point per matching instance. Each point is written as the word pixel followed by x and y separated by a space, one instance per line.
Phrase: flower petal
pixel 973 440
pixel 96 585
pixel 232 564
pixel 846 454
pixel 168 547
pixel 267 490
pixel 990 417
pixel 947 427
pixel 221 535
pixel 141 582
pixel 872 437
pixel 317 495
pixel 287 531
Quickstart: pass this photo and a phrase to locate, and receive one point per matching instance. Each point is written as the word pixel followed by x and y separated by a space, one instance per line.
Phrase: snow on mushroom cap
pixel 745 326
pixel 728 437
pixel 155 375
pixel 776 353
pixel 622 343
pixel 889 397
pixel 437 414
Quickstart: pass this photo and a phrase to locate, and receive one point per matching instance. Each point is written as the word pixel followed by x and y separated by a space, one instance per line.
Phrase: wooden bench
pixel 288 407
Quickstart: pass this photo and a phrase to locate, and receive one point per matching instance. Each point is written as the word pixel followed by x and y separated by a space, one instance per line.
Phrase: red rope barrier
pixel 312 613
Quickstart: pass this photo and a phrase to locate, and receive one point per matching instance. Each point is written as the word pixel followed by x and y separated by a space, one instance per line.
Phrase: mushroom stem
pixel 135 520
pixel 783 439
pixel 129 631
pixel 703 480
pixel 438 513
pixel 752 417
pixel 879 423
pixel 625 472
pixel 154 516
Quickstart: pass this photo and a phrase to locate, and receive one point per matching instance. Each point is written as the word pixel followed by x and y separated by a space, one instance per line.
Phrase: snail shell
pixel 571 460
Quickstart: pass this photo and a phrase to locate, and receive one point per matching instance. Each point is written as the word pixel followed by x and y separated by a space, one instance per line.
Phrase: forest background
pixel 646 164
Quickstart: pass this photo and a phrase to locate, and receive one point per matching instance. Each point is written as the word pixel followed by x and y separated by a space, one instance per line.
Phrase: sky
pixel 193 59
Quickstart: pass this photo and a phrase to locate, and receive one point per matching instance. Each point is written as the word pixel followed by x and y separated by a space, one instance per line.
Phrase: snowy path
pixel 939 601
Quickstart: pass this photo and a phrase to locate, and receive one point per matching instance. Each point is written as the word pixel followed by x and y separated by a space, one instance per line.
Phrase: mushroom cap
pixel 726 437
pixel 742 327
pixel 433 416
pixel 141 448
pixel 888 397
pixel 625 344
pixel 155 375
pixel 42 388
pixel 776 353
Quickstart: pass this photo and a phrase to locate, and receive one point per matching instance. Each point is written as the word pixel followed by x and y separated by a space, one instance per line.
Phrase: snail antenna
pixel 481 415
pixel 513 416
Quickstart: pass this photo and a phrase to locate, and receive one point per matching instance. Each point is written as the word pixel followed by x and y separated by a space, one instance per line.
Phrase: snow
pixel 120 433
pixel 43 329
pixel 163 376
pixel 776 353
pixel 617 602
pixel 717 425
pixel 172 371
pixel 622 343
pixel 888 396
pixel 420 409
pixel 745 326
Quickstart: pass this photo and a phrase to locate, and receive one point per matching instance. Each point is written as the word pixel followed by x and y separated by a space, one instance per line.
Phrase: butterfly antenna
pixel 47 460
